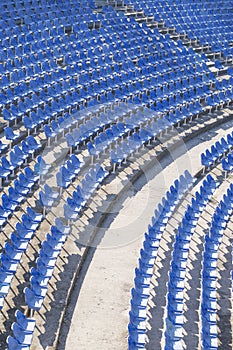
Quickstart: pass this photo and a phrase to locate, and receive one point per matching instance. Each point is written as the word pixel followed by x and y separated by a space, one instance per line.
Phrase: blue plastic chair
pixel 13 344
pixel 61 227
pixel 45 200
pixel 33 302
pixel 8 116
pixel 8 264
pixel 15 160
pixel 29 124
pixel 8 204
pixel 50 193
pixel 10 135
pixel 37 288
pixel 32 143
pixel 18 242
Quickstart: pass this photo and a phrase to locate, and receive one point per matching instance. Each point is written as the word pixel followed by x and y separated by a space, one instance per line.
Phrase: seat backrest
pixel 8 132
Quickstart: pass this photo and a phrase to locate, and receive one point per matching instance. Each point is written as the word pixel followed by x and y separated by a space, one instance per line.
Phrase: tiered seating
pixel 140 293
pixel 83 193
pixel 23 330
pixel 13 251
pixel 209 273
pixel 67 173
pixel 57 59
pixel 173 332
pixel 94 88
pixel 46 261
pixel 177 284
pixel 175 320
pixel 203 21
pixel 171 78
pixel 218 152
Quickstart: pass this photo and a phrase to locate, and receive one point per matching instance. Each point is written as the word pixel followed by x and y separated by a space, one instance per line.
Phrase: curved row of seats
pixel 143 274
pixel 154 129
pixel 23 329
pixel 83 193
pixel 202 21
pixel 63 104
pixel 41 92
pixel 174 313
pixel 209 272
pixel 217 152
pixel 18 193
pixel 13 251
pixel 40 276
pixel 41 9
pixel 227 163
pixel 17 245
pixel 175 297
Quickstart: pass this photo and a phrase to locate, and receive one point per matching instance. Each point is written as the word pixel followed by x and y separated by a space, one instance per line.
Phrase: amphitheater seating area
pixel 87 87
